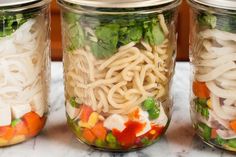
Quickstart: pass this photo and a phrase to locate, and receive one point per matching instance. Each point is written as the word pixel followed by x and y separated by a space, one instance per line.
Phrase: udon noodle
pixel 121 82
pixel 217 67
pixel 22 66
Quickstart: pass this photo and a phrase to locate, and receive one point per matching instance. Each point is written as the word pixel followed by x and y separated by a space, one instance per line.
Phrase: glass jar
pixel 24 69
pixel 213 56
pixel 119 60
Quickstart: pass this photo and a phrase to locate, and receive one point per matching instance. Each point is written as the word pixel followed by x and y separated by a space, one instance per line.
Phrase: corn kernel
pixel 84 125
pixel 209 103
pixel 93 119
pixel 152 132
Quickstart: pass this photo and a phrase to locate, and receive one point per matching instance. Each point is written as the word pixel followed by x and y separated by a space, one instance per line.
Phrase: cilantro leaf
pixel 207 20
pixel 128 34
pixel 153 33
pixel 107 36
pixel 75 32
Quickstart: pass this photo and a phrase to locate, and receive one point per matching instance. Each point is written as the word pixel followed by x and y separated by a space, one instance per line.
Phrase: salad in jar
pixel 213 104
pixel 24 60
pixel 117 71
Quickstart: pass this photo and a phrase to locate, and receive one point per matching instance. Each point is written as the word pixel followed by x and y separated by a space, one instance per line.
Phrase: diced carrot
pixel 200 90
pixel 99 131
pixel 213 134
pixel 233 125
pixel 88 135
pixel 33 122
pixel 21 128
pixel 85 112
pixel 7 132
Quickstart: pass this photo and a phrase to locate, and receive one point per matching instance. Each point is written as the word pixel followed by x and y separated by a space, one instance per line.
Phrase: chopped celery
pixel 15 122
pixel 232 143
pixel 201 107
pixel 220 141
pixel 205 131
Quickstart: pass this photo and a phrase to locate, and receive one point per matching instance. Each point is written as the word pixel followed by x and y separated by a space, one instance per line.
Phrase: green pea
pixel 149 104
pixel 113 145
pixel 99 143
pixel 111 138
pixel 154 113
pixel 145 141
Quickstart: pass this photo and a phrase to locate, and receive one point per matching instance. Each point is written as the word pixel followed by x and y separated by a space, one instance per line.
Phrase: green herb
pixel 205 131
pixel 108 32
pixel 217 21
pixel 226 23
pixel 207 20
pixel 75 34
pixel 9 23
pixel 15 122
pixel 107 37
pixel 201 107
pixel 70 18
pixel 128 34
pixel 153 33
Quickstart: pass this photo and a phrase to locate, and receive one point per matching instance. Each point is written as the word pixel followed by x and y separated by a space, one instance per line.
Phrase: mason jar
pixel 119 59
pixel 213 56
pixel 24 68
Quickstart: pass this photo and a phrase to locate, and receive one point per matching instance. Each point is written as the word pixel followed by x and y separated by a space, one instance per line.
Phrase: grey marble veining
pixel 56 140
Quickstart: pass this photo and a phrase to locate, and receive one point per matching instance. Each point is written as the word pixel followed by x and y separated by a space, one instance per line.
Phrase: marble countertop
pixel 56 140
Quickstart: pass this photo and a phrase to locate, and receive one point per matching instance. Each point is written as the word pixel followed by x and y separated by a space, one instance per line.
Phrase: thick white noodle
pixel 23 67
pixel 217 68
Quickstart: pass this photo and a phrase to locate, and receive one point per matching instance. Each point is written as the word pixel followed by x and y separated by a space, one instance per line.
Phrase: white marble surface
pixel 57 141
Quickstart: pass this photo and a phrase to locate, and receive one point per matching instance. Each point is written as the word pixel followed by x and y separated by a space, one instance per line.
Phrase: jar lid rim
pixel 222 4
pixel 118 3
pixel 14 3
